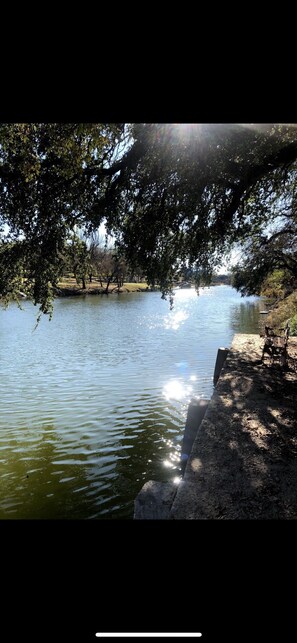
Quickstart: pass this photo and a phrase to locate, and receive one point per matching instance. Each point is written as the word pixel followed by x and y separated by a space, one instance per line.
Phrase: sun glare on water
pixel 174 320
pixel 176 390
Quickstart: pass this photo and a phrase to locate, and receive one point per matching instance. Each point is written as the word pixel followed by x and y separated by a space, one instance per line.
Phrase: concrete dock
pixel 243 462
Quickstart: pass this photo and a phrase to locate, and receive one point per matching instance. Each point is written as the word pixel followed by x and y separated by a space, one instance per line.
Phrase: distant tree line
pixel 92 258
pixel 222 279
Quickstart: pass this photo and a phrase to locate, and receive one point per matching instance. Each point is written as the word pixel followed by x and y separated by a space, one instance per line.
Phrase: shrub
pixel 293 325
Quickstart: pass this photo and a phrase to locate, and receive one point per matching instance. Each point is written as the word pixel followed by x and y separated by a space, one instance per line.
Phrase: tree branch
pixel 286 155
pixel 274 236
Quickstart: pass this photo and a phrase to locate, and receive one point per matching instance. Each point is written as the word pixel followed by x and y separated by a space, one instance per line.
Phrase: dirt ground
pixel 243 463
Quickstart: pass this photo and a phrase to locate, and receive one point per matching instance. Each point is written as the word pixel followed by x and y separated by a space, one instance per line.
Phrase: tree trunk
pixel 107 286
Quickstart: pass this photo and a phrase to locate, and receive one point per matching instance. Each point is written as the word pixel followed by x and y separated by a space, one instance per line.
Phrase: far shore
pixel 69 288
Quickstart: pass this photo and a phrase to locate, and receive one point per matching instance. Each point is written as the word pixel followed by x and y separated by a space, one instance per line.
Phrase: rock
pixel 154 501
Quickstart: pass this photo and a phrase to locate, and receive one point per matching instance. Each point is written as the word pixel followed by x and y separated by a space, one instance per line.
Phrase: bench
pixel 276 346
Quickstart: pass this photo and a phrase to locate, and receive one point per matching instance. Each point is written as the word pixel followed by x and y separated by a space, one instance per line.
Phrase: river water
pixel 93 403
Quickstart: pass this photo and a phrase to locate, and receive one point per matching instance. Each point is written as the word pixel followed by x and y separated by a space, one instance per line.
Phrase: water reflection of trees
pixel 245 318
pixel 34 484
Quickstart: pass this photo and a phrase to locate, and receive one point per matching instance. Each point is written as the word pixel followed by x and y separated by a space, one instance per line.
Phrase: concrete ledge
pixel 195 415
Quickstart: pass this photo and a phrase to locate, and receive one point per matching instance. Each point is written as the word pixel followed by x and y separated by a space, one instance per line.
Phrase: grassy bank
pixel 69 286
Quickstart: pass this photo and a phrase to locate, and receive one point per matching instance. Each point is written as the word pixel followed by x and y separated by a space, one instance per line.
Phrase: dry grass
pixel 70 284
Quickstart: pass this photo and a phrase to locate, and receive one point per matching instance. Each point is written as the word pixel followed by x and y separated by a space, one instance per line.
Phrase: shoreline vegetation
pixel 69 287
pixel 283 310
pixel 281 294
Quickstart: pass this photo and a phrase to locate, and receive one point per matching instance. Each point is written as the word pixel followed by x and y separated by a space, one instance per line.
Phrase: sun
pixel 186 131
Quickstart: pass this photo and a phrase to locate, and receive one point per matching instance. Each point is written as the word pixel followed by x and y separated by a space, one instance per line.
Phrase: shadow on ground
pixel 243 463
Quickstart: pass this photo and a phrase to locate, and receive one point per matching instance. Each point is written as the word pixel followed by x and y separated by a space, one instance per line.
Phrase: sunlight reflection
pixel 174 319
pixel 175 390
pixel 172 462
pixel 168 464
pixel 184 295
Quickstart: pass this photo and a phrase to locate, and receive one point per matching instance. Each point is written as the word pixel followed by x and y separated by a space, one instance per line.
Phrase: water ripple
pixel 94 403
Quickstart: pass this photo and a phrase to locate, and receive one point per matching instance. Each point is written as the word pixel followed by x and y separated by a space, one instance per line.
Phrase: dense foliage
pixel 174 196
pixel 270 252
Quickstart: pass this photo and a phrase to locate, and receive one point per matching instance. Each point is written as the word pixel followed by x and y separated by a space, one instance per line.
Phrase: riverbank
pixel 70 288
pixel 243 463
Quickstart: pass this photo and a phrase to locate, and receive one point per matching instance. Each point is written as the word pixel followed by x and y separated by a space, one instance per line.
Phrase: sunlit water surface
pixel 93 403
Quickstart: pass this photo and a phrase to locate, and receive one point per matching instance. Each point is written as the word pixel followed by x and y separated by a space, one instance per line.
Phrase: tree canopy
pixel 263 255
pixel 172 196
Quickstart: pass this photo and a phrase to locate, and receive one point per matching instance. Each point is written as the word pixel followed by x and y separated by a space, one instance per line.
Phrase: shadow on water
pixel 35 482
pixel 46 474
